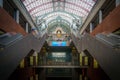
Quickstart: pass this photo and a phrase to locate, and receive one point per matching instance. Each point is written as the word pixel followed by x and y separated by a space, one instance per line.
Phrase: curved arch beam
pixel 78 6
pixel 69 22
pixel 73 15
pixel 41 10
pixel 76 10
pixel 39 6
pixel 61 22
pixel 61 19
pixel 61 11
pixel 50 2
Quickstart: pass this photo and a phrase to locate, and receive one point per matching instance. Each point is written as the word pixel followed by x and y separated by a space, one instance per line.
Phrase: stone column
pixel 26 25
pixel 100 16
pixel 117 2
pixel 1 3
pixel 91 27
pixel 17 13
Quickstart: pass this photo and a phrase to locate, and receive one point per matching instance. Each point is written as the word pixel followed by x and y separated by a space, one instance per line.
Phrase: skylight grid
pixel 37 5
pixel 42 8
pixel 26 2
pixel 67 19
pixel 77 13
pixel 64 21
pixel 28 8
pixel 55 15
pixel 81 3
pixel 74 5
pixel 67 9
pixel 91 2
pixel 85 6
pixel 89 7
pixel 32 6
pixel 84 1
pixel 50 19
pixel 75 10
pixel 62 3
pixel 55 3
pixel 43 12
pixel 59 14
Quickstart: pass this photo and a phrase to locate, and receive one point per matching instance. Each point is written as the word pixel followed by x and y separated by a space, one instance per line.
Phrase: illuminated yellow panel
pixel 31 78
pixel 22 64
pixel 37 59
pixel 80 60
pixel 95 64
pixel 85 78
pixel 36 76
pixel 86 60
pixel 80 77
pixel 31 60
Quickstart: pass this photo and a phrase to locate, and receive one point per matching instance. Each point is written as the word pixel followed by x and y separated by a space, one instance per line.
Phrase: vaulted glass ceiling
pixel 50 10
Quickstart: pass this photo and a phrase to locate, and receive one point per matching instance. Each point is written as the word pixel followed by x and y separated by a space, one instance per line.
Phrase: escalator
pixel 107 55
pixel 12 54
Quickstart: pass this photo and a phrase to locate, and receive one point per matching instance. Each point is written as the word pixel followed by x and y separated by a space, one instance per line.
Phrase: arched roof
pixel 68 10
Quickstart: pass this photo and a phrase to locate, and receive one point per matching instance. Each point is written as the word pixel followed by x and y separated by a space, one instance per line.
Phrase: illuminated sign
pixel 56 43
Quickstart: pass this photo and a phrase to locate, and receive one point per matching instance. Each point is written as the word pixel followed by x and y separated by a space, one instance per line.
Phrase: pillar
pixel 16 17
pixel 117 2
pixel 26 25
pixel 91 27
pixel 1 3
pixel 35 58
pixel 100 16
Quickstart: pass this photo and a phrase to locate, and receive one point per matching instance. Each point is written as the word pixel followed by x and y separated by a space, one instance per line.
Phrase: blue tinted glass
pixel 55 43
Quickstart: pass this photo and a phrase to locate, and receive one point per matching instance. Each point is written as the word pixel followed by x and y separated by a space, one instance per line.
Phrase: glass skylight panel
pixel 73 11
pixel 27 8
pixel 62 15
pixel 58 14
pixel 61 8
pixel 91 2
pixel 55 3
pixel 29 4
pixel 31 1
pixel 39 4
pixel 68 10
pixel 42 9
pixel 61 3
pixel 38 8
pixel 82 7
pixel 64 21
pixel 50 19
pixel 33 5
pixel 67 19
pixel 71 8
pixel 25 2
